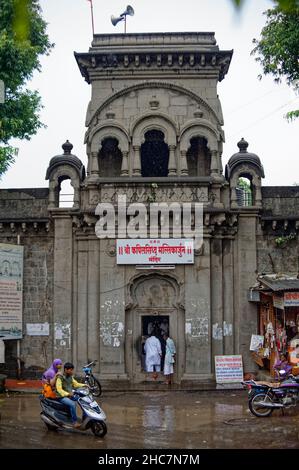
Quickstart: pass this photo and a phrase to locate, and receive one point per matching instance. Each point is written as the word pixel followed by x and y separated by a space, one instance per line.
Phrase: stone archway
pixel 153 296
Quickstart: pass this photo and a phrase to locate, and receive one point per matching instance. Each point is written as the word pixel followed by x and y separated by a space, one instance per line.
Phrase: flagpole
pixel 92 19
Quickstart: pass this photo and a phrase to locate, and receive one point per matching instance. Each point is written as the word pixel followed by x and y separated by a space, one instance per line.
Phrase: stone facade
pixel 149 91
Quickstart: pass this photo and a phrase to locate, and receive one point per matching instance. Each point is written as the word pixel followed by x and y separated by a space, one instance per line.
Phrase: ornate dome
pixel 67 158
pixel 243 157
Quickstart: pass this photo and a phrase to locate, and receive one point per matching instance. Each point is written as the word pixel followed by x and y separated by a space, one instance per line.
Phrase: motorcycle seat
pixel 55 404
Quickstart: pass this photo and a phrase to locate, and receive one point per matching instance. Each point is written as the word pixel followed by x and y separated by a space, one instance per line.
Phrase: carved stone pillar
pixel 257 192
pixel 258 196
pixel 52 194
pixel 137 162
pixel 214 163
pixel 124 166
pixel 76 203
pixel 233 198
pixel 220 163
pixel 94 167
pixel 184 165
pixel 172 167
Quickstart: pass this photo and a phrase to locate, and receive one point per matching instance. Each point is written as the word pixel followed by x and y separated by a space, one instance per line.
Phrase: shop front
pixel 278 323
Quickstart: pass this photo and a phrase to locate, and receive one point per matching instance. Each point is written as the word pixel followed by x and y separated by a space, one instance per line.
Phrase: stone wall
pixel 279 218
pixel 24 212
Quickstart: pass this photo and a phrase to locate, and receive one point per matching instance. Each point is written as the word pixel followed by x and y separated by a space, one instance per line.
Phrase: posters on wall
pixel 37 329
pixel 229 369
pixel 11 291
pixel 256 343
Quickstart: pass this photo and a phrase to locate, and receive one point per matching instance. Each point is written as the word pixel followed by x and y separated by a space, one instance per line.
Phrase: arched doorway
pixel 153 302
pixel 154 154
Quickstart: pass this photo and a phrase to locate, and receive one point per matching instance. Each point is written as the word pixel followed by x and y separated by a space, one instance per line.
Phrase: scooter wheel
pixel 99 428
pixel 51 428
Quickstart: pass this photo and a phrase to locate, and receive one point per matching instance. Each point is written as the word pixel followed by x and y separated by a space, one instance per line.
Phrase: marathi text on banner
pixel 229 369
pixel 155 251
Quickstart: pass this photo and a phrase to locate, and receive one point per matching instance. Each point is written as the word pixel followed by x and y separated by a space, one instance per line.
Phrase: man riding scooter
pixel 65 383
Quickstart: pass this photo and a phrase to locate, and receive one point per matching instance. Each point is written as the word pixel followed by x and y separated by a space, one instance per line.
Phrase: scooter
pixel 56 415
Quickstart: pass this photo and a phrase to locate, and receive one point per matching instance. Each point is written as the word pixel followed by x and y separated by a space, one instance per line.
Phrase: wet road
pixel 186 420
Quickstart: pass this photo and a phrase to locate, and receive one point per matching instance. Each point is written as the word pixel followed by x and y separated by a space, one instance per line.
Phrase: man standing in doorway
pixel 153 354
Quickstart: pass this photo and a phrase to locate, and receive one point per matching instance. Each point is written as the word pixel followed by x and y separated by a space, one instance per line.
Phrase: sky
pixel 252 109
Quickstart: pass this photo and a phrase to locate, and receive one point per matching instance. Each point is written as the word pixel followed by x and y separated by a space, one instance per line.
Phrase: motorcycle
pixel 258 387
pixel 263 399
pixel 56 415
pixel 90 380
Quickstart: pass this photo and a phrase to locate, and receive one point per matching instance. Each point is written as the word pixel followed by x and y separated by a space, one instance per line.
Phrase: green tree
pixel 277 49
pixel 23 39
pixel 284 5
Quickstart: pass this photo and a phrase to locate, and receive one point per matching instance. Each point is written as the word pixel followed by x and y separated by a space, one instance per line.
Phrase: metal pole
pixel 92 18
pixel 18 341
pixel 125 24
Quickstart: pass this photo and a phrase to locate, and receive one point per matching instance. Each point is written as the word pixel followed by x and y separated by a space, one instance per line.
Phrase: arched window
pixel 66 193
pixel 198 157
pixel 154 154
pixel 110 158
pixel 244 191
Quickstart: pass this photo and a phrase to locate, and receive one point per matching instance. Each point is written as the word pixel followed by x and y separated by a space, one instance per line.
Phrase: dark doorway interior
pixel 110 158
pixel 161 325
pixel 154 154
pixel 198 157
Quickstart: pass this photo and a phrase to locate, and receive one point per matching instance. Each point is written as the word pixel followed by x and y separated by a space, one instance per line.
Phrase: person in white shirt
pixel 153 354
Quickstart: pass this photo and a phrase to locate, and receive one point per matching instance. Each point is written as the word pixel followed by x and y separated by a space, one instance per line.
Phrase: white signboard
pixel 37 329
pixel 11 291
pixel 228 369
pixel 155 251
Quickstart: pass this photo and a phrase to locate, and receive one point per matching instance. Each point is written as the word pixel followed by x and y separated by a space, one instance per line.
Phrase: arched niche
pixel 150 122
pixel 57 177
pixel 97 141
pixel 154 290
pixel 251 173
pixel 103 131
pixel 159 123
pixel 202 129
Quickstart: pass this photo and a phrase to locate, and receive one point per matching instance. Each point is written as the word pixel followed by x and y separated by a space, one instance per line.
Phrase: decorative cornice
pixel 158 59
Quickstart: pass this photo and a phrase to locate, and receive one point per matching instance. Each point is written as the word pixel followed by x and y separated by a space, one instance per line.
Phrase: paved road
pixel 186 420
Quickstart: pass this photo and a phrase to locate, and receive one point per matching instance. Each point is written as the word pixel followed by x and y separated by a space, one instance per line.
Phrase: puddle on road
pixel 155 420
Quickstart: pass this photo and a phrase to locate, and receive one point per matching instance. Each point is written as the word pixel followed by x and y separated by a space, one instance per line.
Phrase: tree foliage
pixel 284 5
pixel 277 50
pixel 23 39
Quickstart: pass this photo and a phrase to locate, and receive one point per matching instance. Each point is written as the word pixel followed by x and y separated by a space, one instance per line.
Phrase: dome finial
pixel 67 147
pixel 243 145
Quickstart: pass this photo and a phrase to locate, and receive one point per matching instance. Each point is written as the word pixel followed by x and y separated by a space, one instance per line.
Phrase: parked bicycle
pixel 90 380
